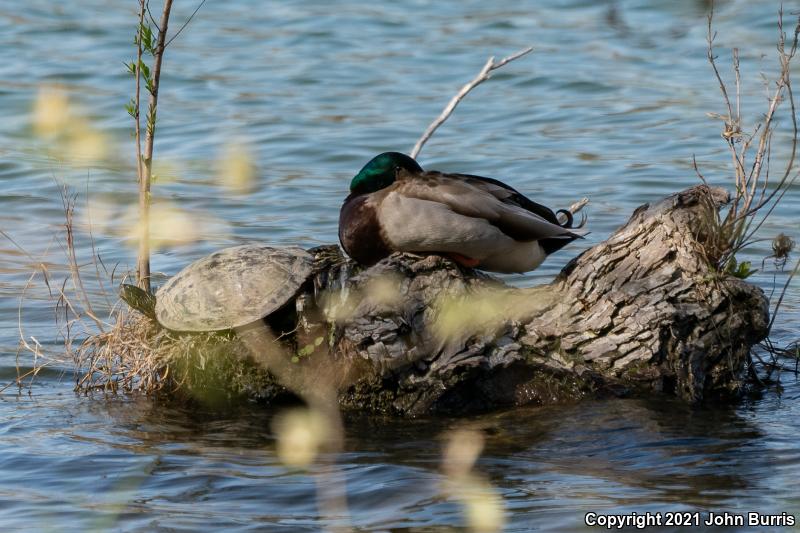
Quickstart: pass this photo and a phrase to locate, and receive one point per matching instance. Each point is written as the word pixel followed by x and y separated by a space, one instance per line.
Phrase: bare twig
pixel 483 75
pixel 739 225
pixel 783 293
pixel 710 36
pixel 755 197
pixel 150 14
pixel 186 23
pixel 697 170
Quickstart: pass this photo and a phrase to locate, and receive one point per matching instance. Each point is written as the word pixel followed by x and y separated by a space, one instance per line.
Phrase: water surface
pixel 611 105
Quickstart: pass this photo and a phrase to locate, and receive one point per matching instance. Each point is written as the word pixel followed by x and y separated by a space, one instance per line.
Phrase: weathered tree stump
pixel 641 312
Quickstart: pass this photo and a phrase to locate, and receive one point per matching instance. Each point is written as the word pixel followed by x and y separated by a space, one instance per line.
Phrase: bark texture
pixel 641 312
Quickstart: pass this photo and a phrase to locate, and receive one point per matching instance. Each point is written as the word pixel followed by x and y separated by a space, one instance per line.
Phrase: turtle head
pixel 381 172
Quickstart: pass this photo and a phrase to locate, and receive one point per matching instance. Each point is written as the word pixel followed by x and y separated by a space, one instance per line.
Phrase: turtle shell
pixel 232 287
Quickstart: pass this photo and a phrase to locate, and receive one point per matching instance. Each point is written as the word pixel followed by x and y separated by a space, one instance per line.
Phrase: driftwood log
pixel 641 312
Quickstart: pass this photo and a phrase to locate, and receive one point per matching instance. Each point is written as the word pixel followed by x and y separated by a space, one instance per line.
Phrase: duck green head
pixel 381 172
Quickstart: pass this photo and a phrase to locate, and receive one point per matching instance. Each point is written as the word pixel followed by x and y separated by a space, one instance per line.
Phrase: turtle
pixel 228 289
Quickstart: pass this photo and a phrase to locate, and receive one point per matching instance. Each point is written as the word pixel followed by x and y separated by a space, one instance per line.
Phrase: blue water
pixel 610 105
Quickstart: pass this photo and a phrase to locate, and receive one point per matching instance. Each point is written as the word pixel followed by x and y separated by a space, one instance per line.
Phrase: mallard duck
pixel 396 206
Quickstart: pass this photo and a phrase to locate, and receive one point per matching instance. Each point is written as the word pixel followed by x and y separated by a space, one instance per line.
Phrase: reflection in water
pixel 671 453
pixel 552 461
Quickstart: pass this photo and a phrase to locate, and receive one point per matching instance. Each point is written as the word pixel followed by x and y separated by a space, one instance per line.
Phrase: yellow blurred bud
pixel 236 169
pixel 461 449
pixel 164 171
pixel 485 311
pixel 339 305
pixel 299 433
pixel 483 506
pixel 171 226
pixel 100 215
pixel 70 135
pixel 470 314
pixel 51 111
pixel 384 291
pixel 86 144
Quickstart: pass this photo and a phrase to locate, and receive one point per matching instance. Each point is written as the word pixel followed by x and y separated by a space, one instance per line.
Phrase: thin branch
pixel 697 170
pixel 136 107
pixel 143 256
pixel 710 36
pixel 150 14
pixel 732 130
pixel 783 293
pixel 737 122
pixel 752 193
pixel 783 82
pixel 738 87
pixel 186 23
pixel 784 184
pixel 483 75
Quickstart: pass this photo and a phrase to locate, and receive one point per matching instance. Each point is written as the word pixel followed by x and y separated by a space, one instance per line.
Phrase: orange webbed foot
pixel 463 260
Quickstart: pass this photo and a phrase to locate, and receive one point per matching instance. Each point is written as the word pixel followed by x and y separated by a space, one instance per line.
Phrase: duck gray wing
pixel 484 198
